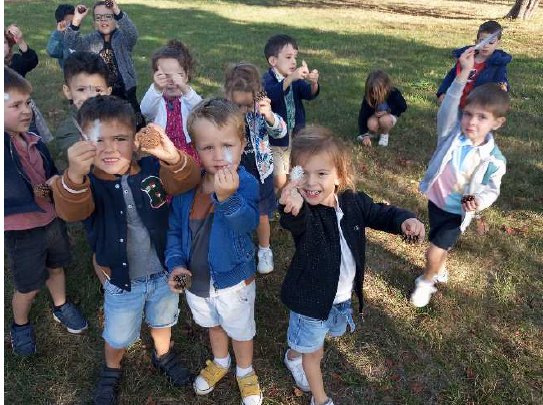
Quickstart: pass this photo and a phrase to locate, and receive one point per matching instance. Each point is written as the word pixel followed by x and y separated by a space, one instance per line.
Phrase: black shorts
pixel 444 227
pixel 31 252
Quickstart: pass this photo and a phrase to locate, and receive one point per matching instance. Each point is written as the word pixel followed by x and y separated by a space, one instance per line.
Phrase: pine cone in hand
pixel 109 3
pixel 182 282
pixel 81 9
pixel 468 197
pixel 260 95
pixel 148 138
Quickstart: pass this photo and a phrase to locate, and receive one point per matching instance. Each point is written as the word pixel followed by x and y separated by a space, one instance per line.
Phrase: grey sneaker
pixel 23 341
pixel 71 318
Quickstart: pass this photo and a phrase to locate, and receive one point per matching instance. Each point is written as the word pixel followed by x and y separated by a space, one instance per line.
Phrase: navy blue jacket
pixel 495 70
pixel 396 104
pixel 18 192
pixel 302 91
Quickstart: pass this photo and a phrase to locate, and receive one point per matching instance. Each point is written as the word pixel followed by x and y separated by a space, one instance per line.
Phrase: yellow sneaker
pixel 250 389
pixel 208 377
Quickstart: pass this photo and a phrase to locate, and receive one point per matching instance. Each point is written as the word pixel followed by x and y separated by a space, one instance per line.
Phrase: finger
pixel 304 64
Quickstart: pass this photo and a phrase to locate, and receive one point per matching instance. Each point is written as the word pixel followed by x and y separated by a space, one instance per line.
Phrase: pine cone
pixel 148 138
pixel 42 190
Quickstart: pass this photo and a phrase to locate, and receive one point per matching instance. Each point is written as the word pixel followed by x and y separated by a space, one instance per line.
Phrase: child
pixel 123 208
pixel 490 64
pixel 242 87
pixel 55 48
pixel 170 99
pixel 36 241
pixel 24 61
pixel 114 40
pixel 465 172
pixel 210 238
pixel 327 219
pixel 286 88
pixel 381 107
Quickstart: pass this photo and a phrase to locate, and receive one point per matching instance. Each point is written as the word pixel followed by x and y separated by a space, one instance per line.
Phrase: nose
pixel 109 145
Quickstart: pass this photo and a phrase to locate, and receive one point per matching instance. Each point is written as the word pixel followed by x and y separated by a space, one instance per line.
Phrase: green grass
pixel 480 341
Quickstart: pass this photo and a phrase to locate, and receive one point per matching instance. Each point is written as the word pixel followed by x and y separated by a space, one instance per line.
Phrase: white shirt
pixel 347 270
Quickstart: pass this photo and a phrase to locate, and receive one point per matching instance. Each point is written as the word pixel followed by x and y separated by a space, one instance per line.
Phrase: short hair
pixel 107 108
pixel 220 112
pixel 315 139
pixel 177 50
pixel 63 10
pixel 84 62
pixel 13 81
pixel 491 97
pixel 276 43
pixel 490 27
pixel 243 77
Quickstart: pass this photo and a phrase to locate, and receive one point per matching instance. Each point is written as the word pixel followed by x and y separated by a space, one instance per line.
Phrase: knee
pixel 435 254
pixel 373 124
pixel 386 122
pixel 56 272
pixel 314 357
pixel 27 296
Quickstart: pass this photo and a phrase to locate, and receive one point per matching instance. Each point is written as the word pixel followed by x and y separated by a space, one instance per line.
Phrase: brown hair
pixel 13 81
pixel 243 77
pixel 220 112
pixel 378 85
pixel 177 50
pixel 315 139
pixel 491 97
pixel 490 27
pixel 11 43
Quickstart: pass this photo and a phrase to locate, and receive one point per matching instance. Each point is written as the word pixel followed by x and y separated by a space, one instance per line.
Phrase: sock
pixel 55 308
pixel 264 248
pixel 242 372
pixel 224 362
pixel 20 326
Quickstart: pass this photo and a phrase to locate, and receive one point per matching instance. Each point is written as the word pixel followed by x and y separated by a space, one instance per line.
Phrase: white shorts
pixel 281 160
pixel 233 310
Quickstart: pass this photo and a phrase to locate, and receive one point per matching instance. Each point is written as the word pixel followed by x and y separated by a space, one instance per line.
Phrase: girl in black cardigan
pixel 327 220
pixel 381 107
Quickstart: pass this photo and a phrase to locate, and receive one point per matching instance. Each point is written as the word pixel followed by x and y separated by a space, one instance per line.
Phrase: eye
pixel 208 148
pixel 28 102
pixel 81 89
pixel 120 138
pixel 323 174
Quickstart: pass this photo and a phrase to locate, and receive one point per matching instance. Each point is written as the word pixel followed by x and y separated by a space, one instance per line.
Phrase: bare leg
pixel 244 353
pixel 161 338
pixel 373 124
pixel 386 123
pixel 113 356
pixel 56 283
pixel 436 259
pixel 22 302
pixel 312 367
pixel 263 231
pixel 279 181
pixel 219 342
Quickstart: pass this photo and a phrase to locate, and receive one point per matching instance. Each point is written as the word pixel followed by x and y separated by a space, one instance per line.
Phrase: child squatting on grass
pixel 327 219
pixel 36 241
pixel 122 203
pixel 210 239
pixel 243 87
pixel 465 172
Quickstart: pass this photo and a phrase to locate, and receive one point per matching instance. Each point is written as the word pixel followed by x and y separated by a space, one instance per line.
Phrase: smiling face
pixel 104 20
pixel 171 67
pixel 17 112
pixel 477 122
pixel 320 179
pixel 84 86
pixel 285 61
pixel 489 48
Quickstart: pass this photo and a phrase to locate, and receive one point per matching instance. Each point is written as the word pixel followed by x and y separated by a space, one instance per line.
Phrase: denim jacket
pixel 231 249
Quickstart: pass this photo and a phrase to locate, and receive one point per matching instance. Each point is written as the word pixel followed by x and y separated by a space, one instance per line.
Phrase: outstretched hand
pixel 291 198
pixel 413 229
pixel 165 151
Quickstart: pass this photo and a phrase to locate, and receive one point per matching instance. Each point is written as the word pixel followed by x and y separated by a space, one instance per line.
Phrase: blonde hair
pixel 220 112
pixel 11 44
pixel 315 139
pixel 243 77
pixel 378 86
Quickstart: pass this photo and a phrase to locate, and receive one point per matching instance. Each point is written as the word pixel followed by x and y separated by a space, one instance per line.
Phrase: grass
pixel 480 341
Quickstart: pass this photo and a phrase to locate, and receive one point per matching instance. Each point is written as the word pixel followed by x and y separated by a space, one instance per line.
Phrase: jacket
pixel 67 133
pixel 99 203
pixel 56 48
pixel 123 40
pixel 24 62
pixel 395 101
pixel 301 91
pixel 231 249
pixel 312 279
pixel 153 107
pixel 486 180
pixel 495 70
pixel 18 191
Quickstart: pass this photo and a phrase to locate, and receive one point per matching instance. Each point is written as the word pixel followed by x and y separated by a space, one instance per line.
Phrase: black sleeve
pixel 365 112
pixel 396 102
pixel 382 217
pixel 24 62
pixel 295 224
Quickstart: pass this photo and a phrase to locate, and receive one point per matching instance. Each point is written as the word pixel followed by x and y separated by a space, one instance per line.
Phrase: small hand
pixel 414 229
pixel 366 141
pixel 62 25
pixel 472 205
pixel 116 9
pixel 467 59
pixel 291 198
pixel 80 159
pixel 313 76
pixel 165 151
pixel 440 98
pixel 15 33
pixel 264 108
pixel 301 72
pixel 226 183
pixel 177 271
pixel 379 114
pixel 78 15
pixel 160 80
pixel 180 80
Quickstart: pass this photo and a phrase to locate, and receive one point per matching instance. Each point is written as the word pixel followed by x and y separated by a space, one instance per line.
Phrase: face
pixel 171 67
pixel 84 86
pixel 115 146
pixel 320 179
pixel 213 143
pixel 488 49
pixel 68 18
pixel 104 21
pixel 244 100
pixel 477 123
pixel 285 62
pixel 17 112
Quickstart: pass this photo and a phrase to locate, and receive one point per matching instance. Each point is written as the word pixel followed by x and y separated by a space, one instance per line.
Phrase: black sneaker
pixel 170 365
pixel 22 340
pixel 69 316
pixel 106 389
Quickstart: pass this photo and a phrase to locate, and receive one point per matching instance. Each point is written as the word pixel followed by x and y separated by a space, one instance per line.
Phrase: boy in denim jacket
pixel 210 239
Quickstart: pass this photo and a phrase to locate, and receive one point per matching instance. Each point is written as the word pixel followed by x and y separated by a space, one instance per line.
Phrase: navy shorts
pixel 267 203
pixel 444 227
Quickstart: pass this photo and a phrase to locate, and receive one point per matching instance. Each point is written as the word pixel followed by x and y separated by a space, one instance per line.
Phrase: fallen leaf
pixel 150 401
pixel 297 392
pixel 482 226
pixel 470 373
pixel 404 162
pixel 337 378
pixel 362 167
pixel 514 231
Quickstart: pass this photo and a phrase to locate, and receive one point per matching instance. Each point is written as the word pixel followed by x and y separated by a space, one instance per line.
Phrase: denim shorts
pixel 306 334
pixel 124 309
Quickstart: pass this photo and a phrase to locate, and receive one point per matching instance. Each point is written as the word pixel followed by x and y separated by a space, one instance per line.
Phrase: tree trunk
pixel 522 9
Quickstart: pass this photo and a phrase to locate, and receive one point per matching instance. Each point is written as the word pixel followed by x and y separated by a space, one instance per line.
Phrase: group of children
pixel 177 212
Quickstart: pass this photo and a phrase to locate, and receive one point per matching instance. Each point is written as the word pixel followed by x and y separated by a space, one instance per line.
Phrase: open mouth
pixel 110 161
pixel 312 193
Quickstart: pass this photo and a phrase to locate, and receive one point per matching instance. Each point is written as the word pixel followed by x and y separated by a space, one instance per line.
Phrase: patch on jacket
pixel 153 187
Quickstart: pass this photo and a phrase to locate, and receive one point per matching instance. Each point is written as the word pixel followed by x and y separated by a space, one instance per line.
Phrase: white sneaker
pixel 329 402
pixel 297 371
pixel 265 261
pixel 442 277
pixel 360 138
pixel 383 140
pixel 423 292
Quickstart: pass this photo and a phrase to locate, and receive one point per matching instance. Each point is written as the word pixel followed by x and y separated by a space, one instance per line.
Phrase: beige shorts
pixel 281 160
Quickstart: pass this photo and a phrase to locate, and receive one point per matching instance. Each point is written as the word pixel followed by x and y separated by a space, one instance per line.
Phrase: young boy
pixel 36 241
pixel 55 48
pixel 286 88
pixel 465 172
pixel 490 64
pixel 122 204
pixel 210 238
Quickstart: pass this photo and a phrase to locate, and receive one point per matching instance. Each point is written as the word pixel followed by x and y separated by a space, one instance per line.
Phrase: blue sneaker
pixel 70 317
pixel 22 340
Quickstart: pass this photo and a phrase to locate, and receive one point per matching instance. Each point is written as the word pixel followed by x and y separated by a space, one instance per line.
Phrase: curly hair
pixel 177 50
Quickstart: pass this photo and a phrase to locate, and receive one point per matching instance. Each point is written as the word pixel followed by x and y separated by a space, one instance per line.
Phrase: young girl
pixel 170 99
pixel 381 107
pixel 243 87
pixel 327 219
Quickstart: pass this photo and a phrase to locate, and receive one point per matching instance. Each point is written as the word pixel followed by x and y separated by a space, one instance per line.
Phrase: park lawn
pixel 480 341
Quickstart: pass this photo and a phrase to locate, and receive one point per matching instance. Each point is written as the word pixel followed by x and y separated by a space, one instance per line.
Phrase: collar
pixel 484 150
pixel 100 174
pixel 339 211
pixel 29 137
pixel 278 75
